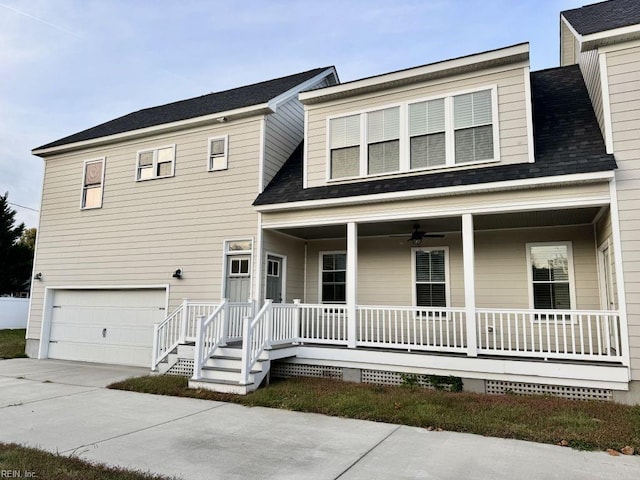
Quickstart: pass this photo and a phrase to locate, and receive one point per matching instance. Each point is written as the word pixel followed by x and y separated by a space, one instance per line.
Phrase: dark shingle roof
pixel 603 16
pixel 246 96
pixel 567 141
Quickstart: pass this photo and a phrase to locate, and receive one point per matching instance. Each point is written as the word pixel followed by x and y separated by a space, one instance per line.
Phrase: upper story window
pixel 92 183
pixel 156 163
pixel 432 133
pixel 218 153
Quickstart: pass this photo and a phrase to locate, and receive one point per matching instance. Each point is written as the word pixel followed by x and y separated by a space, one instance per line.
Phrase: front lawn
pixel 21 462
pixel 587 425
pixel 12 343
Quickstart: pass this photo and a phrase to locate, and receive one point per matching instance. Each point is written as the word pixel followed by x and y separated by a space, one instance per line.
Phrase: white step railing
pixel 570 334
pixel 167 336
pixel 412 328
pixel 285 320
pixel 195 310
pixel 210 334
pixel 237 313
pixel 256 339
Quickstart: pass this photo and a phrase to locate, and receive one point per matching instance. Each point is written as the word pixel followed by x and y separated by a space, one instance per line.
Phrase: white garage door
pixel 105 326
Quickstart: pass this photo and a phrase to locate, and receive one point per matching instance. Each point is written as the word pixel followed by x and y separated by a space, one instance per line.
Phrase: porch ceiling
pixel 531 219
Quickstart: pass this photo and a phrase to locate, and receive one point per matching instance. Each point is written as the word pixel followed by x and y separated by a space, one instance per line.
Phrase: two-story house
pixel 467 218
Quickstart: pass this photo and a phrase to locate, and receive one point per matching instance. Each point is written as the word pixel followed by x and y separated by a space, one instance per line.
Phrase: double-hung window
pixel 156 163
pixel 92 183
pixel 383 141
pixel 551 285
pixel 218 153
pixel 427 137
pixel 345 146
pixel 430 274
pixel 473 125
pixel 333 277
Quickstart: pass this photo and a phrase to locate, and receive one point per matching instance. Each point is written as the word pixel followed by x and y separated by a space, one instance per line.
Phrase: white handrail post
pixel 246 350
pixel 155 354
pixel 268 316
pixel 253 307
pixel 197 359
pixel 225 322
pixel 184 320
pixel 296 321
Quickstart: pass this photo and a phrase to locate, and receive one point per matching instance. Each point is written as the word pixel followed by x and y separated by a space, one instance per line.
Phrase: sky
pixel 67 65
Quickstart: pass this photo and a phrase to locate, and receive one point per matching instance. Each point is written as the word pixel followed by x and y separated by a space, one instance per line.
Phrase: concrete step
pixel 222 386
pixel 232 374
pixel 230 362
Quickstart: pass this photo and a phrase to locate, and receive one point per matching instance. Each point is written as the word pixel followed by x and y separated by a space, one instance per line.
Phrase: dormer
pixel 464 113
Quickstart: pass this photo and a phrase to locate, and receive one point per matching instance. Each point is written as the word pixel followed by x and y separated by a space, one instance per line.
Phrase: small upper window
pixel 473 127
pixel 427 144
pixel 345 147
pixel 156 163
pixel 92 183
pixel 218 153
pixel 383 141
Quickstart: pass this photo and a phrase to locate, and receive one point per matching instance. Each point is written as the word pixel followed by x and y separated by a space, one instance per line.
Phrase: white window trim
pixel 405 161
pixel 320 270
pixel 155 162
pixel 570 266
pixel 225 156
pixel 447 276
pixel 84 173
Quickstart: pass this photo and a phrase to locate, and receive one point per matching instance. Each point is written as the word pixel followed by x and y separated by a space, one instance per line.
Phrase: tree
pixel 16 251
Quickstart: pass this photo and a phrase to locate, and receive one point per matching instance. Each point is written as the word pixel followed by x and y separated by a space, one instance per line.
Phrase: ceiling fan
pixel 417 235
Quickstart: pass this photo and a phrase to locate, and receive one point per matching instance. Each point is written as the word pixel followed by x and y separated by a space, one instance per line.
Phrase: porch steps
pixel 181 351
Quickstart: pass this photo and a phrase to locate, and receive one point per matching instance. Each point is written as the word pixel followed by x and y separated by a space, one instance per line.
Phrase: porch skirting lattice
pixel 497 387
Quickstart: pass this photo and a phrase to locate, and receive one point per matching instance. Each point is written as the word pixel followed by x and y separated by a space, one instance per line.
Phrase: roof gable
pixel 603 16
pixel 218 102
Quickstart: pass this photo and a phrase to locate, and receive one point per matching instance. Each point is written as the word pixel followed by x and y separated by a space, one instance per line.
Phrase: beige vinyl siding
pixel 284 131
pixel 511 113
pixel 590 68
pixel 385 276
pixel 534 197
pixel 623 68
pixel 293 250
pixel 569 46
pixel 146 230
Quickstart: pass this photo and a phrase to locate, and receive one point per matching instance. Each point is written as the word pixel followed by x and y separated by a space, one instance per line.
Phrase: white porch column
pixel 468 255
pixel 352 282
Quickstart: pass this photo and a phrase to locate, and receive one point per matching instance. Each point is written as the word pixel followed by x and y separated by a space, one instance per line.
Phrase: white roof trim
pixel 141 132
pixel 293 92
pixel 594 40
pixel 442 191
pixel 516 51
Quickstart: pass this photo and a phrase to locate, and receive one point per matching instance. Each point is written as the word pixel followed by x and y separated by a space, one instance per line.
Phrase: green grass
pixel 21 462
pixel 12 343
pixel 586 425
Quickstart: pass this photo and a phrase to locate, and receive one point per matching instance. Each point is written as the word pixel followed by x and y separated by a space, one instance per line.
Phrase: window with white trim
pixel 92 183
pixel 345 146
pixel 448 131
pixel 218 153
pixel 156 163
pixel 333 277
pixel 550 275
pixel 430 276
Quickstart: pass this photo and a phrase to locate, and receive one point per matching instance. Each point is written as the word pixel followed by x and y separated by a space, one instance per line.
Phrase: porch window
pixel 551 275
pixel 345 146
pixel 383 141
pixel 334 277
pixel 92 183
pixel 430 274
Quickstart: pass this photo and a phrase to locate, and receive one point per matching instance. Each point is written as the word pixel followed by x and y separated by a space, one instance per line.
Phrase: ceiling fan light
pixel 416 241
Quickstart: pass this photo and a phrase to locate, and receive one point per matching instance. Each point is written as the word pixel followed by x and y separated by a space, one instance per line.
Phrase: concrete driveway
pixel 63 407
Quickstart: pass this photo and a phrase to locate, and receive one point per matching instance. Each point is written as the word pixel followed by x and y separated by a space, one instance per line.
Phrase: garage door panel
pixel 126 317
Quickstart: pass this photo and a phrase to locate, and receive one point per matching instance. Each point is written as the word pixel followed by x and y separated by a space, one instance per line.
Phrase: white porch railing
pixel 210 335
pixel 570 334
pixel 256 339
pixel 412 328
pixel 166 336
pixel 195 310
pixel 323 323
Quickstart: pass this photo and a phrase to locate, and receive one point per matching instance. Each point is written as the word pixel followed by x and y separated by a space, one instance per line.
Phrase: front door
pixel 274 278
pixel 238 284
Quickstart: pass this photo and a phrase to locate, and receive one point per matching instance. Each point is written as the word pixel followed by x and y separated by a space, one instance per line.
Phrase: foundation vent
pixel 183 368
pixel 287 370
pixel 496 387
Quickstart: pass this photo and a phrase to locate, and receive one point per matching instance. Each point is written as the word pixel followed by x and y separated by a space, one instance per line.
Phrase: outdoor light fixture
pixel 177 273
pixel 416 241
pixel 222 119
pixel 38 276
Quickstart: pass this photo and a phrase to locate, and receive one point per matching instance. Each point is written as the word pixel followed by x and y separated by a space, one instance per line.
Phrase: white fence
pixel 13 312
